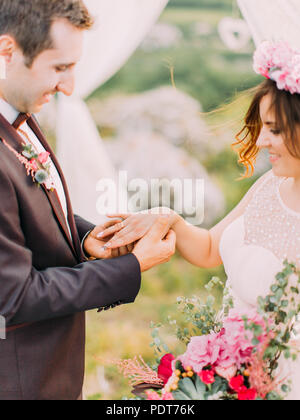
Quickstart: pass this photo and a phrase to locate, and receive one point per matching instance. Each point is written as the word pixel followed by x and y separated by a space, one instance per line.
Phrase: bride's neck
pixel 296 185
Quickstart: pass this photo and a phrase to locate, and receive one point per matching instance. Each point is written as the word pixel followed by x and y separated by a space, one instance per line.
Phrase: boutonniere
pixel 37 165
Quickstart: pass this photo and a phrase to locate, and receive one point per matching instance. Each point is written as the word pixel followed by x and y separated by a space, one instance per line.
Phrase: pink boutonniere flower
pixel 43 157
pixel 37 165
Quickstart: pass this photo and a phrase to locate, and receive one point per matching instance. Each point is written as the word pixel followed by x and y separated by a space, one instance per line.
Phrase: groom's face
pixel 28 89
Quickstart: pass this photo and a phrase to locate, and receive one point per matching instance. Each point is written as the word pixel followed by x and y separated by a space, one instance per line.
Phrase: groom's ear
pixel 8 46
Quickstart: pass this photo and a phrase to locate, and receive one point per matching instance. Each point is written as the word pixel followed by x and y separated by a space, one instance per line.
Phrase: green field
pixel 181 17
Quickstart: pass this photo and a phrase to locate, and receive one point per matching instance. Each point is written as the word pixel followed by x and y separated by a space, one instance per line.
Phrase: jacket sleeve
pixel 28 295
pixel 83 226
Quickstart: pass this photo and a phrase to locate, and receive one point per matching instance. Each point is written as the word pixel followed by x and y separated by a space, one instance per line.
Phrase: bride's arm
pixel 198 246
pixel 201 246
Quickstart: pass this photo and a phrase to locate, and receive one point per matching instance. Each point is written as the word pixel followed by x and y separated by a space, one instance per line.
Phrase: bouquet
pixel 234 356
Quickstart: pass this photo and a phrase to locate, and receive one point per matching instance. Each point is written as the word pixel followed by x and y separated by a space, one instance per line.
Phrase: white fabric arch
pixel 273 19
pixel 120 27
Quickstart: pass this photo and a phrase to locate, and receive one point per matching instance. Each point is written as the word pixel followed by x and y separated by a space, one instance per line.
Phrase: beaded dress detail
pixel 253 249
pixel 269 223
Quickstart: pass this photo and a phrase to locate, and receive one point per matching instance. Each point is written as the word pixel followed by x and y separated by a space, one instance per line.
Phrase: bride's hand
pixel 134 227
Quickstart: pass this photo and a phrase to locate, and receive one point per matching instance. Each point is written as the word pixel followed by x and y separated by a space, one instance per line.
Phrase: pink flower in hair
pixel 282 54
pixel 279 62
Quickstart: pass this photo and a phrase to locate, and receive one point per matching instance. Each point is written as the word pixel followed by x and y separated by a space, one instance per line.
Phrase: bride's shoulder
pixel 264 179
pixel 240 209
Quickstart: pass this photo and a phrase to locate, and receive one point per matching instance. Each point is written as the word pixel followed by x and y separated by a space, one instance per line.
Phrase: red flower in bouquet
pixel 237 384
pixel 247 395
pixel 207 376
pixel 165 370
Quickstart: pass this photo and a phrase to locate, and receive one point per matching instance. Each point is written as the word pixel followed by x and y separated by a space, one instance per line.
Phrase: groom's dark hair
pixel 29 22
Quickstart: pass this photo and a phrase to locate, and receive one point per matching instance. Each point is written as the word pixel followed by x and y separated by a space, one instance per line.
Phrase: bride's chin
pixel 278 172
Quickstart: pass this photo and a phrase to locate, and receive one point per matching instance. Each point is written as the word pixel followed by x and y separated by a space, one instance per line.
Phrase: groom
pixel 46 279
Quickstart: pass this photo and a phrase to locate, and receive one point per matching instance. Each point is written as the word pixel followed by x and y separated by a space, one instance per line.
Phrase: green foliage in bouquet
pixel 199 318
pixel 283 306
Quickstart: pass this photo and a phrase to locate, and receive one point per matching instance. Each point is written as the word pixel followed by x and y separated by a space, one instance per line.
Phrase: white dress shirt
pixel 11 114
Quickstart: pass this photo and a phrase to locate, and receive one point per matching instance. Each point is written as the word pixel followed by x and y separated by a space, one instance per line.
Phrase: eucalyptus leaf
pixel 180 396
pixel 200 387
pixel 187 386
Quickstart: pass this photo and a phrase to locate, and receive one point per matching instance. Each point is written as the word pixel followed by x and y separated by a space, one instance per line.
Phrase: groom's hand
pixel 95 248
pixel 157 246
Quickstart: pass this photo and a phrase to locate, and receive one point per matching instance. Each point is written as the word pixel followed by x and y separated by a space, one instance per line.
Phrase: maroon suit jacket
pixel 46 284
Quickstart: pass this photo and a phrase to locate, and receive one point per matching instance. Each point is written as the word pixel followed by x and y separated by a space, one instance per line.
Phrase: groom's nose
pixel 67 84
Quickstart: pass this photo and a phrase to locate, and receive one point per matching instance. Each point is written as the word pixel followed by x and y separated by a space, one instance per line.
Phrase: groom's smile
pixel 29 88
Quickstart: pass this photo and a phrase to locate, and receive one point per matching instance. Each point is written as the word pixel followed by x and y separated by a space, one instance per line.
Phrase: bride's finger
pixel 119 216
pixel 123 238
pixel 102 228
pixel 112 230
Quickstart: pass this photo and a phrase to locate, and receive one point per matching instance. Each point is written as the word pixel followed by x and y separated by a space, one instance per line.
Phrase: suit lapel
pixel 9 133
pixel 15 140
pixel 76 242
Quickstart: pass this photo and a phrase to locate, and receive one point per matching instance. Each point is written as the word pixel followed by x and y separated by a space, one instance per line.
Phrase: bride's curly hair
pixel 286 108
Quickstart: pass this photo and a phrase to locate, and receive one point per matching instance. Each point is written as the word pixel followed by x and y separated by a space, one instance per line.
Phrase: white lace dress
pixel 253 249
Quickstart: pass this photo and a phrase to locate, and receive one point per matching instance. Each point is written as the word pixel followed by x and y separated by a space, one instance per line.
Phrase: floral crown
pixel 279 62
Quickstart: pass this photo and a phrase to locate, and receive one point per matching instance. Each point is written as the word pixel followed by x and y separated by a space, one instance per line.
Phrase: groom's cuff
pixel 86 256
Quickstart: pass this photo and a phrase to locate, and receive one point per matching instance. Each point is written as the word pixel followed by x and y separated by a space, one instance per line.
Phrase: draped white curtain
pixel 121 25
pixel 273 19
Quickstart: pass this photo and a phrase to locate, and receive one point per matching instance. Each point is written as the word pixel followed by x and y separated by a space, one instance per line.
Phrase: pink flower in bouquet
pixel 43 157
pixel 207 376
pixel 165 369
pixel 201 352
pixel 228 350
pixel 154 396
pixel 226 373
pixel 239 340
pixel 168 396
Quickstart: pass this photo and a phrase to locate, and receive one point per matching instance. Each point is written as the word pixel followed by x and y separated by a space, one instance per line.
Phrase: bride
pixel 264 229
